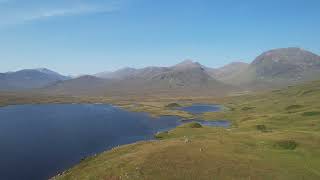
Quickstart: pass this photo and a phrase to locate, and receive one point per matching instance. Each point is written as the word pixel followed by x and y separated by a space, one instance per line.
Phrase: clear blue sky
pixel 89 36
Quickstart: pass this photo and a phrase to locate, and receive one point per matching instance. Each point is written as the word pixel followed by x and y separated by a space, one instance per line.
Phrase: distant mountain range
pixel 187 77
pixel 29 79
pixel 274 68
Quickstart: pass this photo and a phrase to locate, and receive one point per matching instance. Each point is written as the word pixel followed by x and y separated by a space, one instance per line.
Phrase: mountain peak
pixel 187 61
pixel 291 63
pixel 37 70
pixel 46 71
pixel 186 64
pixel 291 55
pixel 42 69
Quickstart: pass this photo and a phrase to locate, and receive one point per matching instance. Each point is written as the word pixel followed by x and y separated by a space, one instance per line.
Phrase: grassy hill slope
pixel 274 135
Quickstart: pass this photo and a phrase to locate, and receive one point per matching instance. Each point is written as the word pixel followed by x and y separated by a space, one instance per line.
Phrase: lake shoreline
pixel 52 111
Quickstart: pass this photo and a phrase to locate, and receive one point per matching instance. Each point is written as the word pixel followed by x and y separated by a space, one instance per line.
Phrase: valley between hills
pixel 273 104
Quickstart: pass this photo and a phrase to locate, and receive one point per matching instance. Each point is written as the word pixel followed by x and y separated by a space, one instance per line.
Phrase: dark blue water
pixel 39 141
pixel 201 108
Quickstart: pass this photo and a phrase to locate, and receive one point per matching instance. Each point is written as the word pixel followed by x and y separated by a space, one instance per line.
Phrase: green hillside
pixel 274 135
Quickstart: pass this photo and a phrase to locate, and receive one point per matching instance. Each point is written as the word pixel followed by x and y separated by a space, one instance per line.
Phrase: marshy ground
pixel 274 135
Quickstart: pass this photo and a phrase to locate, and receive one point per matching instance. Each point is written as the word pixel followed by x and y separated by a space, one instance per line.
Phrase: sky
pixel 77 37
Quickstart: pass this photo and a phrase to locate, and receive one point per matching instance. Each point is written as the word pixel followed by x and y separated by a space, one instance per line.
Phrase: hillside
pixel 132 73
pixel 278 68
pixel 83 85
pixel 286 63
pixel 187 73
pixel 274 135
pixel 29 79
pixel 186 78
pixel 228 71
